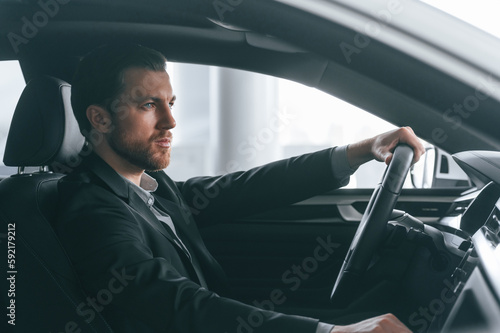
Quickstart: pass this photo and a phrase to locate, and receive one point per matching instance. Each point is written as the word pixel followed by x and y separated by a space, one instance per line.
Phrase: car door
pixel 289 258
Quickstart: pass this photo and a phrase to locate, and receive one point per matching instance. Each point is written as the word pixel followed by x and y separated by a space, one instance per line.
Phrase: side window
pixel 11 86
pixel 229 120
pixel 321 121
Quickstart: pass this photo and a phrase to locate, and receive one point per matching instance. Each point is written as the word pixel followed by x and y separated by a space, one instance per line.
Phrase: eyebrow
pixel 156 99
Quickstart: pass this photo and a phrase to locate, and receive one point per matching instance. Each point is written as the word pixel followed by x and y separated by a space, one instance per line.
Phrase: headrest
pixel 44 130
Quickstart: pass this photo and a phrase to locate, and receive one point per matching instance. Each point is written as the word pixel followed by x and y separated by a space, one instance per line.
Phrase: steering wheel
pixel 372 227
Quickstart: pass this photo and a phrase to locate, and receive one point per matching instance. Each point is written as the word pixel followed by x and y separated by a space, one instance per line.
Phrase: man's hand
pixel 382 146
pixel 382 324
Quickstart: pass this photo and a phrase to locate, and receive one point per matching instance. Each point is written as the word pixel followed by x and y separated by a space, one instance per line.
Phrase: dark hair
pixel 99 77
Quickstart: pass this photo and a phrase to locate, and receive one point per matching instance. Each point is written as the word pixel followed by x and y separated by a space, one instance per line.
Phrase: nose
pixel 166 119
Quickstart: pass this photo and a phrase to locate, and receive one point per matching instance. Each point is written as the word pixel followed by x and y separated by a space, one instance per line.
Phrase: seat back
pixel 46 295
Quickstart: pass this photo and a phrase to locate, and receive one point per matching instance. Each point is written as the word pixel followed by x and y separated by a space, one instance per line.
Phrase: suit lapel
pixel 178 218
pixel 169 198
pixel 143 210
pixel 214 274
pixel 212 271
pixel 166 195
pixel 121 188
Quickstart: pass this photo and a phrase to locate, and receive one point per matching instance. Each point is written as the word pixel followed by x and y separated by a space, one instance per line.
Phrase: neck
pixel 120 165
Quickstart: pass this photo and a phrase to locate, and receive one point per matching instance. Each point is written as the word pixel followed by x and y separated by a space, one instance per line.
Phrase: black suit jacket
pixel 135 273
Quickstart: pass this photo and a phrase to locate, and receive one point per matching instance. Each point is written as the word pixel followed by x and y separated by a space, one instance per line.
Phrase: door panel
pixel 289 257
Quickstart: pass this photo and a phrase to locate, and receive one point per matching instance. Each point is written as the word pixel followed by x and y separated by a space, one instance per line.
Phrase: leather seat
pixel 44 134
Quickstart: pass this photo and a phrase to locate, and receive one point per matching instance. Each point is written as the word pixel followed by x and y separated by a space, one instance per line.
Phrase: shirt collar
pixel 146 186
pixel 148 183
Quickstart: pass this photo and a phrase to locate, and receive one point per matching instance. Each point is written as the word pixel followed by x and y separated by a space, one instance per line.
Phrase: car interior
pixel 389 249
pixel 44 133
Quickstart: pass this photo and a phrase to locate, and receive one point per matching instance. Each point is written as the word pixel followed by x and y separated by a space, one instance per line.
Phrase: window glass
pixel 309 120
pixel 11 86
pixel 319 120
pixel 297 120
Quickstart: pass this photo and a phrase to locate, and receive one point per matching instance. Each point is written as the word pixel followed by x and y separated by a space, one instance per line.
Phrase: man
pixel 130 234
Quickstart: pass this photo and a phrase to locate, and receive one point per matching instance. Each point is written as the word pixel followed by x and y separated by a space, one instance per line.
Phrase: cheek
pixel 137 126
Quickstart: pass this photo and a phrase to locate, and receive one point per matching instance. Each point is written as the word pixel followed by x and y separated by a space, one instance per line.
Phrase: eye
pixel 171 105
pixel 149 105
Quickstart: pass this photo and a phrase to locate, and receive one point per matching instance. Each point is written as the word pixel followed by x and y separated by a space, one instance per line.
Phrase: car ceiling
pixel 271 37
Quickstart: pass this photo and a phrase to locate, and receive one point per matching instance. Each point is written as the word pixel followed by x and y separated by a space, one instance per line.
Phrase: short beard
pixel 135 154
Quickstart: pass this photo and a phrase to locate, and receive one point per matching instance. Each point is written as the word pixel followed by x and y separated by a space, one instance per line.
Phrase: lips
pixel 164 142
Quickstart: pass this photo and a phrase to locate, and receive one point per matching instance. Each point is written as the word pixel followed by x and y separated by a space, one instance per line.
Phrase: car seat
pixel 42 293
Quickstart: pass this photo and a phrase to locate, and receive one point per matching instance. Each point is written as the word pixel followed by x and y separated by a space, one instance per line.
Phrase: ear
pixel 99 118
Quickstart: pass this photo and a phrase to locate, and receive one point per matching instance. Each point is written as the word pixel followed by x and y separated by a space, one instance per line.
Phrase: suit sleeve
pixel 136 290
pixel 270 186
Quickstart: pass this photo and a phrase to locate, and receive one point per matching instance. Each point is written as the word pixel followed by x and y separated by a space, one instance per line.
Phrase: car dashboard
pixel 475 304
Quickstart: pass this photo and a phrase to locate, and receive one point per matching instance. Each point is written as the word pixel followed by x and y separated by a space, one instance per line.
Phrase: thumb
pixel 388 158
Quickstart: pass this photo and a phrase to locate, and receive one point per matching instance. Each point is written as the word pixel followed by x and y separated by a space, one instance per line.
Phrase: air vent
pixel 445 165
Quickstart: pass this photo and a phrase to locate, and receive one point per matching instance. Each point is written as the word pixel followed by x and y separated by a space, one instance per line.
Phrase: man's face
pixel 142 120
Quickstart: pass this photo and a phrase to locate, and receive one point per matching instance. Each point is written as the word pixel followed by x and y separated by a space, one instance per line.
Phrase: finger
pixel 391 323
pixel 388 158
pixel 413 141
pixel 410 129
